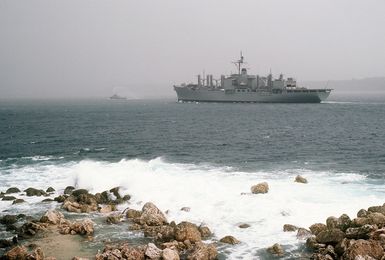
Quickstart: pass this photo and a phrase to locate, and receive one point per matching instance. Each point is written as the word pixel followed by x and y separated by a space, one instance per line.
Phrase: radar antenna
pixel 238 63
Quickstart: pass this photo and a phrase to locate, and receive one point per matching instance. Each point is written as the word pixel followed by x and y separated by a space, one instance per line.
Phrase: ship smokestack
pixel 199 81
pixel 208 80
pixel 211 80
pixel 222 81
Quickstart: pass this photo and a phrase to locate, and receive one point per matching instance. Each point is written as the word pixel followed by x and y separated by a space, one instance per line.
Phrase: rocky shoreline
pixel 362 237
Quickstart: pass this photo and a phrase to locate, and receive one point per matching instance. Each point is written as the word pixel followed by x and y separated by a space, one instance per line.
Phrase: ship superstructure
pixel 242 87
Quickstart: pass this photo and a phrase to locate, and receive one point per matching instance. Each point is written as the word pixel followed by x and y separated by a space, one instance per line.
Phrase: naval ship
pixel 242 87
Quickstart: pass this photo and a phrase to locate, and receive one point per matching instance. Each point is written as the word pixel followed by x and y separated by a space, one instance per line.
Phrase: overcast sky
pixel 78 48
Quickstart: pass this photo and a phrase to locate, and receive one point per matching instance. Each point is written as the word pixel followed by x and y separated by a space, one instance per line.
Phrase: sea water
pixel 203 156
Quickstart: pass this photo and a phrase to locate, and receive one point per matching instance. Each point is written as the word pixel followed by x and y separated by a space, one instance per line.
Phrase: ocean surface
pixel 205 156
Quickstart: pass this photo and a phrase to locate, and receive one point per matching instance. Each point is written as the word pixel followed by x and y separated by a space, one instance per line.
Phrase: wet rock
pixel 132 213
pixel 289 228
pixel 116 193
pixel 35 192
pixel 260 188
pixel 312 243
pixel 152 252
pixel 50 189
pixel 30 229
pixel 84 227
pixel 317 227
pixel 300 179
pixel 8 219
pixel 205 232
pixel 203 251
pixel 362 213
pixel 47 200
pixel 229 240
pixel 152 216
pixel 114 219
pixel 107 208
pixel 187 231
pixel 303 234
pixel 16 253
pixel 12 190
pixel 363 249
pixel 126 197
pixel 187 209
pixel 8 198
pixel 330 236
pixel 80 258
pixel 244 225
pixel 170 254
pixel 276 250
pixel 78 192
pixel 60 198
pixel 362 232
pixel 69 189
pixel 18 201
pixel 5 243
pixel 332 222
pixel 52 217
pixel 342 246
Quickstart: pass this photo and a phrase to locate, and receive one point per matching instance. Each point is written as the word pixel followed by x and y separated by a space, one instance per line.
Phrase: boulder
pixel 12 190
pixel 330 236
pixel 50 189
pixel 332 222
pixel 170 254
pixel 329 251
pixel 152 216
pixel 8 198
pixel 362 232
pixel 52 217
pixel 18 201
pixel 160 233
pixel 47 200
pixel 344 222
pixel 376 218
pixel 303 233
pixel 276 250
pixel 152 252
pixel 187 231
pixel 69 189
pixel 8 220
pixel 132 213
pixel 358 222
pixel 205 232
pixel 377 209
pixel 300 179
pixel 60 198
pixel 187 209
pixel 116 193
pixel 203 251
pixel 229 240
pixel 35 192
pixel 364 249
pixel 317 227
pixel 84 227
pixel 107 208
pixel 114 219
pixel 289 228
pixel 362 213
pixel 312 243
pixel 16 253
pixel 319 256
pixel 260 188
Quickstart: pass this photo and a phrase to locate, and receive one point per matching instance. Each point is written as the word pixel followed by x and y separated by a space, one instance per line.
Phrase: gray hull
pixel 219 95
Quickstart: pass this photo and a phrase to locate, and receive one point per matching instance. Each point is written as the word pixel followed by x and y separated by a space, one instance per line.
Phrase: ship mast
pixel 238 64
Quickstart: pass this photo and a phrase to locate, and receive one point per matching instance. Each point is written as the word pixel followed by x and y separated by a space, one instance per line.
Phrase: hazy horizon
pixel 91 49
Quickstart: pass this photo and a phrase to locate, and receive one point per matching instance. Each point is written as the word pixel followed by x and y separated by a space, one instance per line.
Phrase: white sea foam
pixel 215 195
